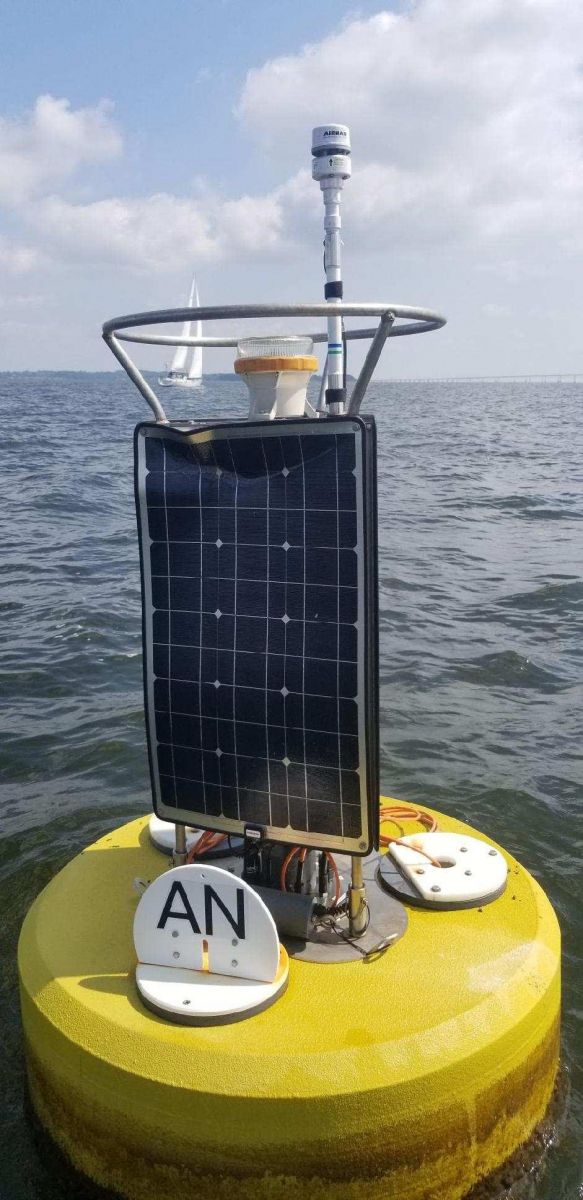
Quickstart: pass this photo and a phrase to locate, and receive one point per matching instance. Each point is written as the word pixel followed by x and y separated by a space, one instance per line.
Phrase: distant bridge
pixel 569 378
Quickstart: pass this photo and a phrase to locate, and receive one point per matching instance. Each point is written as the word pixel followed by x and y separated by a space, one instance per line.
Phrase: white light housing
pixel 277 371
pixel 273 346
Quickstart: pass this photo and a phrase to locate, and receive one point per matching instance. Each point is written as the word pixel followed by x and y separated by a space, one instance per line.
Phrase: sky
pixel 139 140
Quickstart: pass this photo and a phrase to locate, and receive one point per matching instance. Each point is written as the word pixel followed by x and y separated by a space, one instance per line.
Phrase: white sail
pixel 178 374
pixel 181 355
pixel 195 371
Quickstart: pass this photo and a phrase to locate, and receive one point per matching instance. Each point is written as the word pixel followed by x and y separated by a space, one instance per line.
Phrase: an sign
pixel 202 918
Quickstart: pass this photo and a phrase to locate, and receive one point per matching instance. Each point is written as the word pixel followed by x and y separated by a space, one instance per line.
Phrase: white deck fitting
pixel 207 947
pixel 163 834
pixel 197 997
pixel 471 870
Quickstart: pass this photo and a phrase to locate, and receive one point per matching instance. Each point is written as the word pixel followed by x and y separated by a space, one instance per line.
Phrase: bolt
pixel 436 888
pixel 176 954
pixel 174 933
pixel 234 962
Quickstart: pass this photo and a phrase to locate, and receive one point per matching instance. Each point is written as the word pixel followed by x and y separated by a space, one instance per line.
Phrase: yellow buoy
pixel 410 1076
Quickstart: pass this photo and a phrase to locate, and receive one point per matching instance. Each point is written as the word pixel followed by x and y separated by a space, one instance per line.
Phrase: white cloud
pixel 155 233
pixel 466 124
pixel 465 115
pixel 495 310
pixel 50 143
pixel 18 258
pixel 149 234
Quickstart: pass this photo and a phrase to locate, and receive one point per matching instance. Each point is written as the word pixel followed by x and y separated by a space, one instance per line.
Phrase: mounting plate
pixel 388 919
pixel 199 998
pixel 471 872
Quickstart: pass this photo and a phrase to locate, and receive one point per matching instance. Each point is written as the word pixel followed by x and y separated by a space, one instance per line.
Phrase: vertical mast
pixel 181 355
pixel 330 167
pixel 195 371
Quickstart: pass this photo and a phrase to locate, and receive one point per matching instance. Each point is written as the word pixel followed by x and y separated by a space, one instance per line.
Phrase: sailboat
pixel 178 374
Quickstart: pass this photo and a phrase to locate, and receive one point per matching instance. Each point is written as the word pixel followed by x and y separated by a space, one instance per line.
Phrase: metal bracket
pixel 417 320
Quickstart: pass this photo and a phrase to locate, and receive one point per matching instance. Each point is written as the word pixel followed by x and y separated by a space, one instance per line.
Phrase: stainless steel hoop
pixel 417 320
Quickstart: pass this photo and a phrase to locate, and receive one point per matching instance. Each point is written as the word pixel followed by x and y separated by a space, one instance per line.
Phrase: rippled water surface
pixel 481 600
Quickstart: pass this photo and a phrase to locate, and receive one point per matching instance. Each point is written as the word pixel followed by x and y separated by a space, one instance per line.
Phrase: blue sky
pixel 138 139
pixel 175 70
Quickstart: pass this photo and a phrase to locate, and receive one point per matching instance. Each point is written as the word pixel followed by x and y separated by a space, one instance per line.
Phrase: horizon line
pixel 557 376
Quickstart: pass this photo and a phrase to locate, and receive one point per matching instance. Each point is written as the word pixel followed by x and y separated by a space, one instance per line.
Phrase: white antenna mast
pixel 331 165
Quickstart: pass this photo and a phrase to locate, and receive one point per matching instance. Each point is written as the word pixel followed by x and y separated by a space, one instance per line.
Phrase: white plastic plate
pixel 199 998
pixel 163 834
pixel 471 871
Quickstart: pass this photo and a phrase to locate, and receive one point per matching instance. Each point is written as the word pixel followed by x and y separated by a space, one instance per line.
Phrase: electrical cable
pixel 300 870
pixel 302 851
pixel 395 813
pixel 208 840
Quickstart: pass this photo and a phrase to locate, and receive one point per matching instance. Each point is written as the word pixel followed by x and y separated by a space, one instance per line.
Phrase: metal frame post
pixel 179 856
pixel 357 906
pixel 373 354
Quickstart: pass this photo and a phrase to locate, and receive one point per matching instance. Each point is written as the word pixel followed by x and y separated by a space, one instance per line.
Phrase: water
pixel 481 597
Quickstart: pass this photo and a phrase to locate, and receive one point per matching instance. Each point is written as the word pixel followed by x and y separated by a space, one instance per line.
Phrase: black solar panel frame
pixel 367 660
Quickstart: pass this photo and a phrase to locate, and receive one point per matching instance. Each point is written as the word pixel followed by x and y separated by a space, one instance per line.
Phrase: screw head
pixel 492 853
pixel 435 888
pixel 419 870
pixel 234 942
pixel 463 849
pixel 467 872
pixel 186 1001
pixel 234 962
pixel 176 954
pixel 174 933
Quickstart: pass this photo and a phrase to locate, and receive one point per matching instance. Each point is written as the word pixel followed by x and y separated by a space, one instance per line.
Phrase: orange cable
pixel 403 812
pixel 208 840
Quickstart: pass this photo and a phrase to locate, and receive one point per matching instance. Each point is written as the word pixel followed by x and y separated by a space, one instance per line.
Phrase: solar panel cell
pixel 259 594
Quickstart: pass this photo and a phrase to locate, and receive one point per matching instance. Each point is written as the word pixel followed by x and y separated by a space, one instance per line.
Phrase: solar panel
pixel 258 555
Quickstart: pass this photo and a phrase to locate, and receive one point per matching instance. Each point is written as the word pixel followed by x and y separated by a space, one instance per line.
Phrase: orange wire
pixel 208 840
pixel 284 866
pixel 405 812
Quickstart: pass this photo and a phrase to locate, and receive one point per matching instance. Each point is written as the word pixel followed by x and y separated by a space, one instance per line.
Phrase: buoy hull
pixel 412 1077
